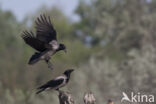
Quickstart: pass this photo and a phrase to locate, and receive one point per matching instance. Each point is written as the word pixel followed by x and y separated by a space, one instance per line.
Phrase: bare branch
pixel 65 98
pixel 89 98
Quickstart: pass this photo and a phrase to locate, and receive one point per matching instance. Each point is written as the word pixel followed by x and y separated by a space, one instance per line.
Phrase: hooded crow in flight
pixel 56 83
pixel 44 42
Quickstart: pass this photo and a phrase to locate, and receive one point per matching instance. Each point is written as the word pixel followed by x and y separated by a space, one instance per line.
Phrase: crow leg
pixel 50 65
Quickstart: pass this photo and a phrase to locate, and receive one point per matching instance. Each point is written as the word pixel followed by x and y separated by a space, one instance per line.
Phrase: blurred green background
pixel 112 47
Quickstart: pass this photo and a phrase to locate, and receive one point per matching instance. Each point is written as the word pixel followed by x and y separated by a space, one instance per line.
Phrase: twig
pixel 65 98
pixel 89 98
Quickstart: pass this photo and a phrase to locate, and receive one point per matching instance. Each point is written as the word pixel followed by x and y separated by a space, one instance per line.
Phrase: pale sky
pixel 23 7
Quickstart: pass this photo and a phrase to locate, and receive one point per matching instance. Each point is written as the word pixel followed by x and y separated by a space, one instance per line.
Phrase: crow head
pixel 62 47
pixel 68 72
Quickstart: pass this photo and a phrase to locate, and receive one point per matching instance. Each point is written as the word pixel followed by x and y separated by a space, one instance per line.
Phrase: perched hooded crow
pixel 45 41
pixel 56 83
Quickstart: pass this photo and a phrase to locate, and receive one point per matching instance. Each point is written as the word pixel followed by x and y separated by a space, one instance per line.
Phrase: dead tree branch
pixel 89 98
pixel 65 98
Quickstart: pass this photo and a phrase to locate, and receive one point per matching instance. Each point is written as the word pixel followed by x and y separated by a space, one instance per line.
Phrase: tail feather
pixel 34 58
pixel 41 88
pixel 39 91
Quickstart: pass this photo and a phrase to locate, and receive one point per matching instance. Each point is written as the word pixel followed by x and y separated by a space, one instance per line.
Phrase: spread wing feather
pixel 44 29
pixel 31 40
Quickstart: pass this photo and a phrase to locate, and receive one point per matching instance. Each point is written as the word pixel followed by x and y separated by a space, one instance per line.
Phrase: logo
pixel 137 97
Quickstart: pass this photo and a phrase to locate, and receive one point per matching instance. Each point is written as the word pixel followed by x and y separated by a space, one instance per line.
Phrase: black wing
pixel 52 84
pixel 31 40
pixel 45 30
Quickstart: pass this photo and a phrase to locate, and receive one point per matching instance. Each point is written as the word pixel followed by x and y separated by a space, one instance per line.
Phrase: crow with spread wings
pixel 44 42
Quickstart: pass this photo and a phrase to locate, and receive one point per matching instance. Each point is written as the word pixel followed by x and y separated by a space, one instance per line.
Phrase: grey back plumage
pixel 53 84
pixel 56 83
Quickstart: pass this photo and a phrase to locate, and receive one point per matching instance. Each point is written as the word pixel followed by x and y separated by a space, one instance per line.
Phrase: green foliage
pixel 120 55
pixel 121 23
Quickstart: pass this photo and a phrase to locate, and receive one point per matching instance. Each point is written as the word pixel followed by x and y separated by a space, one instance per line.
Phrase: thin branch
pixel 89 98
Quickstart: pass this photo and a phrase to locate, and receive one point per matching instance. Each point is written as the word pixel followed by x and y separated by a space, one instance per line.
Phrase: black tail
pixel 42 88
pixel 34 58
pixel 39 91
